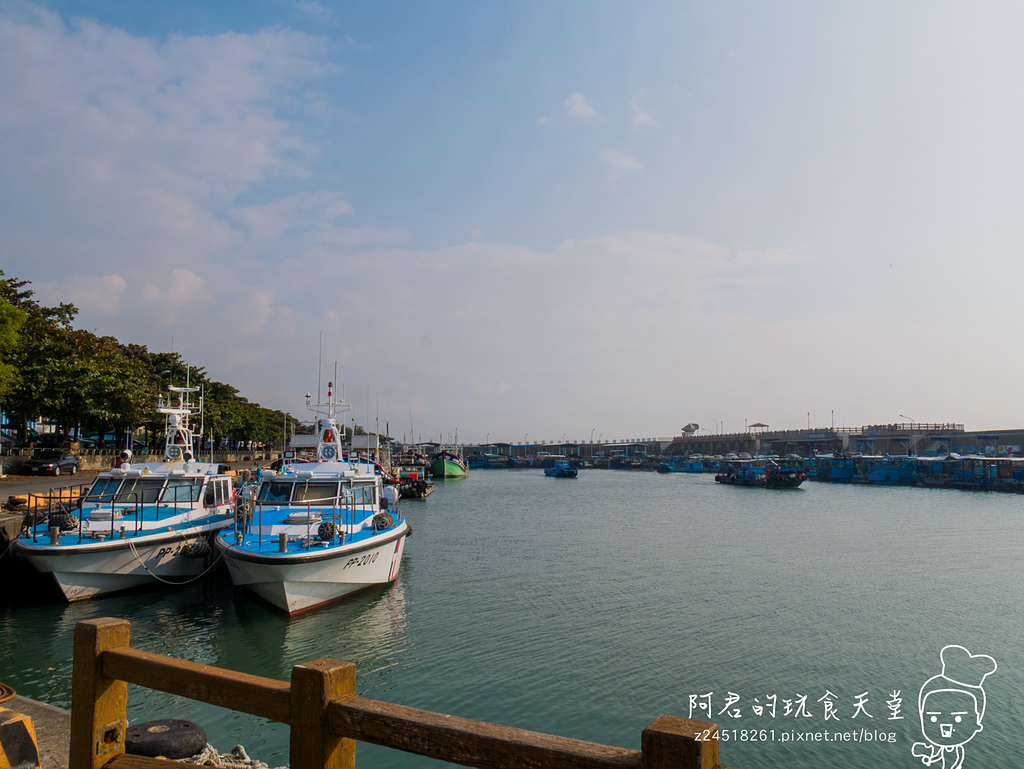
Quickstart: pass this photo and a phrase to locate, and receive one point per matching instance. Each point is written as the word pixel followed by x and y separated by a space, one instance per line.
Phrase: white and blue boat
pixel 137 524
pixel 314 532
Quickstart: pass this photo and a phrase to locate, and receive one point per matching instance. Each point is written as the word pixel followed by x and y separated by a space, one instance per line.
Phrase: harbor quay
pixel 898 438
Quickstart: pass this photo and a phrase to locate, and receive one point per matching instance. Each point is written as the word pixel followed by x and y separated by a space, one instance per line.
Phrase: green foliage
pixel 11 321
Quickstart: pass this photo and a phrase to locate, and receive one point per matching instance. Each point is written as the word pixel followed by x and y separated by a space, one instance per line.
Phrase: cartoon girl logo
pixel 952 705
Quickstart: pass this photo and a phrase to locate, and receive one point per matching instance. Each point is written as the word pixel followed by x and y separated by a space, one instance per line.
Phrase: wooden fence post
pixel 98 703
pixel 314 686
pixel 678 743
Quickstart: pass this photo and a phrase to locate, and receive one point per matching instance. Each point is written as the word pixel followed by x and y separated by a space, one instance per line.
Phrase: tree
pixel 11 321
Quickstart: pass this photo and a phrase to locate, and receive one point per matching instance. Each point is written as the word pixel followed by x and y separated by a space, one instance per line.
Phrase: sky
pixel 535 221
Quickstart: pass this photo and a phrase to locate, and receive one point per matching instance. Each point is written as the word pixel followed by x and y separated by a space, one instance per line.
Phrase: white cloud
pixel 301 211
pixel 101 295
pixel 183 292
pixel 578 109
pixel 313 10
pixel 641 117
pixel 128 147
pixel 620 163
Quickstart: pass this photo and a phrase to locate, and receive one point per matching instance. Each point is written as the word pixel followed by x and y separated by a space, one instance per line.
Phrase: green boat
pixel 448 463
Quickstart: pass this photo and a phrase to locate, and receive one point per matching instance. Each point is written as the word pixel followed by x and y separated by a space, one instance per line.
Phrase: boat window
pixel 223 491
pixel 103 489
pixel 362 494
pixel 216 492
pixel 141 490
pixel 181 490
pixel 275 491
pixel 316 491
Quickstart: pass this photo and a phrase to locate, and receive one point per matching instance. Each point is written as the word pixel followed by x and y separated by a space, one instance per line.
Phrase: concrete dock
pixel 52 727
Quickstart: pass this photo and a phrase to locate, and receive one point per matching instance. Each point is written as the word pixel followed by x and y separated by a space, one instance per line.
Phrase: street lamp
pixel 904 416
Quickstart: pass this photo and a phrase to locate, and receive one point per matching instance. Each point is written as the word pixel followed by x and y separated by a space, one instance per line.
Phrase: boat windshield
pixel 324 492
pixel 103 490
pixel 142 490
pixel 182 490
pixel 360 494
pixel 275 491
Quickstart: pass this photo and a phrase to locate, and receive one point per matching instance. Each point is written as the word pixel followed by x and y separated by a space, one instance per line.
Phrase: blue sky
pixel 533 220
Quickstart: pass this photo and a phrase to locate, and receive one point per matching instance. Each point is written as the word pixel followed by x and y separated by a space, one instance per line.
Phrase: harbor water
pixel 803 622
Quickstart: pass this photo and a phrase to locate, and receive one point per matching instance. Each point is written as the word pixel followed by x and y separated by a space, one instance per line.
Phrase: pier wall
pixel 893 439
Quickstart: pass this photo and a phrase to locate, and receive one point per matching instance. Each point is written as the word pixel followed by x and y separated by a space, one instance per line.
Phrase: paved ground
pixel 13 485
pixel 53 730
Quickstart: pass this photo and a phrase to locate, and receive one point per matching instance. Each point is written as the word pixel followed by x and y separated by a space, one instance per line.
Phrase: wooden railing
pixel 327 717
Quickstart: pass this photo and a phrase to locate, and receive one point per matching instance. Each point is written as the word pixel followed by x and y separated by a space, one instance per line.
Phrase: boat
pixel 779 476
pixel 412 470
pixel 137 524
pixel 833 468
pixel 883 470
pixel 765 474
pixel 561 469
pixel 693 464
pixel 315 532
pixel 448 463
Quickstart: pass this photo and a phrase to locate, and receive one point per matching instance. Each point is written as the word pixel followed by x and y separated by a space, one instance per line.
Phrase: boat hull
pixel 296 583
pixel 94 569
pixel 447 468
pixel 569 472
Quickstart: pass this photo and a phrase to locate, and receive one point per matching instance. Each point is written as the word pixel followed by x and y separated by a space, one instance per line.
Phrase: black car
pixel 52 462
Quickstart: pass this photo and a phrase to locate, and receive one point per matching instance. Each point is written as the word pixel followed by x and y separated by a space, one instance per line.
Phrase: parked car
pixel 51 462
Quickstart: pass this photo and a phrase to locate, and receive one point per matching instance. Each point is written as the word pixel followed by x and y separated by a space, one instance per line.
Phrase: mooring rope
pixel 158 578
pixel 236 759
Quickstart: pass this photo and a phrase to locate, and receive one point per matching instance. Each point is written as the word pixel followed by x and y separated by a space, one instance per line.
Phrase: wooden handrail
pixel 327 717
pixel 255 695
pixel 467 742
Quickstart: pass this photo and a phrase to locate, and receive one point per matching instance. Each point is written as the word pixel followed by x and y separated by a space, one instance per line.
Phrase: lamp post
pixel 904 416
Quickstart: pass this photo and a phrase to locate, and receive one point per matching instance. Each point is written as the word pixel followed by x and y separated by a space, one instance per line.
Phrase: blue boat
pixel 561 469
pixel 137 524
pixel 315 532
pixel 693 464
pixel 833 468
pixel 883 470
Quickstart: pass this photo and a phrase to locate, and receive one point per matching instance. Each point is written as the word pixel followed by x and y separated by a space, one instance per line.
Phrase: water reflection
pixel 213 624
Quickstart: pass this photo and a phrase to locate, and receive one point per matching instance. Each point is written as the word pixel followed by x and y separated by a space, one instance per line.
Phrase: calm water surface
pixel 587 608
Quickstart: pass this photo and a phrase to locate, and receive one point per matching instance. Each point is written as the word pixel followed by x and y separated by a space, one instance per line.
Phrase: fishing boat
pixel 137 524
pixel 315 532
pixel 412 469
pixel 448 463
pixel 561 469
pixel 765 474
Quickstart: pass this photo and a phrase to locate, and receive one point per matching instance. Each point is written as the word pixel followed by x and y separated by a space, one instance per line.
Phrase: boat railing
pixel 41 507
pixel 342 512
pixel 326 717
pixel 126 506
pixel 182 494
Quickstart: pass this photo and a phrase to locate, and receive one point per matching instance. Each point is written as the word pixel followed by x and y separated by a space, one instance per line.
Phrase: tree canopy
pixel 78 381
